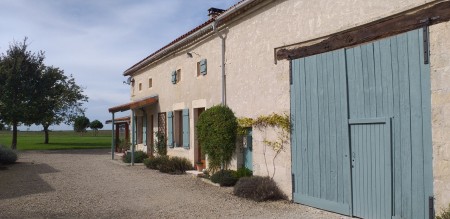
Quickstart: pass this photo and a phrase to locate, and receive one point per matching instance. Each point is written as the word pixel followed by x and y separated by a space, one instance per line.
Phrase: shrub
pixel 154 163
pixel 224 177
pixel 175 165
pixel 243 172
pixel 7 155
pixel 160 144
pixel 258 188
pixel 445 214
pixel 171 165
pixel 216 129
pixel 139 157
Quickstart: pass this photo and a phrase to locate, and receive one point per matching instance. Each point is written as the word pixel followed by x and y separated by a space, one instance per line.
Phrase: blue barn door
pixel 361 133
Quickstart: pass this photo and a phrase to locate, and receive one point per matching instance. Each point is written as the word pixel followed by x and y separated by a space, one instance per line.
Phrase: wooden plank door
pixel 371 167
pixel 391 175
pixel 320 155
pixel 372 99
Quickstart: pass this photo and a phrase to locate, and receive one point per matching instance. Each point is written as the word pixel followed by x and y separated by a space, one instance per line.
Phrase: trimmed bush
pixel 258 188
pixel 139 157
pixel 224 178
pixel 216 129
pixel 445 214
pixel 243 172
pixel 171 165
pixel 153 162
pixel 175 165
pixel 7 155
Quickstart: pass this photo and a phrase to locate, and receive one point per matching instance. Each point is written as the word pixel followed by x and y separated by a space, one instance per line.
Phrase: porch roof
pixel 119 120
pixel 135 104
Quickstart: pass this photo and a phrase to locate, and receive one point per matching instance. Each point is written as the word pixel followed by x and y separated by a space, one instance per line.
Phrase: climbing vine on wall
pixel 282 122
pixel 262 122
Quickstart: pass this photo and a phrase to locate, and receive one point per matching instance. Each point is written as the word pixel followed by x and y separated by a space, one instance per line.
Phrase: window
pixel 140 86
pixel 150 83
pixel 176 76
pixel 201 67
pixel 178 128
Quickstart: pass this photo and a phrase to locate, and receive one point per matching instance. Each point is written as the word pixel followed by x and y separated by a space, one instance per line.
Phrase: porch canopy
pixel 118 122
pixel 129 106
pixel 134 105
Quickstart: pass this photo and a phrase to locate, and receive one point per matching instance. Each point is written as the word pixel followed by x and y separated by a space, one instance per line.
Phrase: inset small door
pixel 248 150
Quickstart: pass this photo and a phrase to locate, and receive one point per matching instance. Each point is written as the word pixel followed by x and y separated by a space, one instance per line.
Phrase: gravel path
pixel 88 184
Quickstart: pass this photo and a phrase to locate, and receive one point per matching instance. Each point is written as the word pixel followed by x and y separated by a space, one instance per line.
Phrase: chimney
pixel 214 12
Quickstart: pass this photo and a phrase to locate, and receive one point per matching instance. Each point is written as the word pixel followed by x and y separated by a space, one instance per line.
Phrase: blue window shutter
pixel 186 128
pixel 174 77
pixel 144 130
pixel 203 69
pixel 170 129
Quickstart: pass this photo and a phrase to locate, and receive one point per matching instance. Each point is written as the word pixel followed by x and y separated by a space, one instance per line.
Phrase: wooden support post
pixel 113 143
pixel 117 137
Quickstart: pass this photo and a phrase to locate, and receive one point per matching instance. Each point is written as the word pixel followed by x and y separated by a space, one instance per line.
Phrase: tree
pixel 60 99
pixel 96 125
pixel 19 86
pixel 81 124
pixel 217 128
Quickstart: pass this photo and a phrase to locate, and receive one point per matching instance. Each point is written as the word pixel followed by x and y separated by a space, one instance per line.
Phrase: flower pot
pixel 199 167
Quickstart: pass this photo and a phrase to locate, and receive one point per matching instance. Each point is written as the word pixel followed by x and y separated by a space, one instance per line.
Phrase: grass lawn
pixel 58 140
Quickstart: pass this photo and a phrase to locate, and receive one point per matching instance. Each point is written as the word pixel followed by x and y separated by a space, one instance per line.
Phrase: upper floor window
pixel 176 76
pixel 140 86
pixel 150 83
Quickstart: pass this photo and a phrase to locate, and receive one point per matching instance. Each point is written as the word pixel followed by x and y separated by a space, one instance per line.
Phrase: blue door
pixel 248 150
pixel 361 132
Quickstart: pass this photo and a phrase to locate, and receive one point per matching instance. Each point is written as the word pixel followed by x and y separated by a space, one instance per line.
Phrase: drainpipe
pixel 224 84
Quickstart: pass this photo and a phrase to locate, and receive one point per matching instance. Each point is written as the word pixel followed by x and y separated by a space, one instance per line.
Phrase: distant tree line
pixel 34 93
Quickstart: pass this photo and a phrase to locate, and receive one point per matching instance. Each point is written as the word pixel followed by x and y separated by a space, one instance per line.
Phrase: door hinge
pixel 426 38
pixel 431 207
pixel 293 183
pixel 426 48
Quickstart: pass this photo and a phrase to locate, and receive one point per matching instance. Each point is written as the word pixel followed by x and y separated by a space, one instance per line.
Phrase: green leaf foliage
pixel 170 165
pixel 7 155
pixel 216 130
pixel 139 157
pixel 20 76
pixel 224 178
pixel 160 144
pixel 445 214
pixel 81 124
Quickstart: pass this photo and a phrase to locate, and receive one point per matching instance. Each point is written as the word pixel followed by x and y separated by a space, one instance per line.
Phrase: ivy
pixel 262 122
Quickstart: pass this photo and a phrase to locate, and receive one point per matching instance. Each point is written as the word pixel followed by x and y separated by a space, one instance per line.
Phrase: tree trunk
pixel 14 138
pixel 46 134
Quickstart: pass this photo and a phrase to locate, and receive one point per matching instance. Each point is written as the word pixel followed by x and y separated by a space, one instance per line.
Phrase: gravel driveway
pixel 88 184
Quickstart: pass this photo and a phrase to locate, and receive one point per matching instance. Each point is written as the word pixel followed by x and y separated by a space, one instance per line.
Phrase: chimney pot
pixel 214 12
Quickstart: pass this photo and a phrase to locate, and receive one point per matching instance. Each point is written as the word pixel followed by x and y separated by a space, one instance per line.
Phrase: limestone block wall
pixel 440 108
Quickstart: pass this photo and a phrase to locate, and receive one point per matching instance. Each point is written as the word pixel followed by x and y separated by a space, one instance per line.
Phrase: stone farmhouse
pixel 366 85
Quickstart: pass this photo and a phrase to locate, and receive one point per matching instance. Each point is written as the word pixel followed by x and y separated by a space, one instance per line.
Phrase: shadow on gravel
pixel 79 151
pixel 23 179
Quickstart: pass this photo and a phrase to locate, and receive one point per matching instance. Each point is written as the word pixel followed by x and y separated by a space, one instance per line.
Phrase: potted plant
pixel 199 165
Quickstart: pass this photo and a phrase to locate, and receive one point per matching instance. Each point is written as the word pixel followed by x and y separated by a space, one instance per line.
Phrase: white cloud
pixel 96 41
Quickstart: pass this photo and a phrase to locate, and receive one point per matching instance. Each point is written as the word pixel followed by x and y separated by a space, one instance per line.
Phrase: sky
pixel 97 40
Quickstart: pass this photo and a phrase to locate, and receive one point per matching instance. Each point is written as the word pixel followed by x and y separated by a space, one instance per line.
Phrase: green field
pixel 58 140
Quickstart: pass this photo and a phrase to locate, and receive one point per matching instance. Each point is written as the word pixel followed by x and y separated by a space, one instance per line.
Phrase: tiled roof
pixel 147 59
